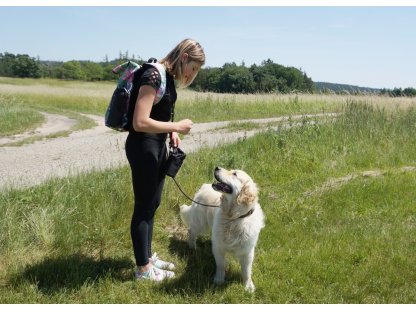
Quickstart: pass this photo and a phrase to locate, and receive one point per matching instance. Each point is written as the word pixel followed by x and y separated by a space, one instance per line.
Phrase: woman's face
pixel 189 72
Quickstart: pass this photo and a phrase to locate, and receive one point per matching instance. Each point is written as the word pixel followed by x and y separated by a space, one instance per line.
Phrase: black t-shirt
pixel 149 75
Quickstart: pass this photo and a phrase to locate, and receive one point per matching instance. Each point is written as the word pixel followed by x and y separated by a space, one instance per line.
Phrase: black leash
pixel 240 217
pixel 172 117
pixel 179 187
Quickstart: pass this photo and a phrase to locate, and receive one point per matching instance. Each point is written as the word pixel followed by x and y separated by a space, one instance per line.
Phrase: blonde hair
pixel 173 61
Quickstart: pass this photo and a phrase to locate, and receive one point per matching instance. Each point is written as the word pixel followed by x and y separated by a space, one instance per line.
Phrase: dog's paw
pixel 250 287
pixel 218 281
pixel 219 278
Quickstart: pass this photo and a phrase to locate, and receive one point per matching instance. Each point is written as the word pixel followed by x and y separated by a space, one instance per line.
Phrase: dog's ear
pixel 248 194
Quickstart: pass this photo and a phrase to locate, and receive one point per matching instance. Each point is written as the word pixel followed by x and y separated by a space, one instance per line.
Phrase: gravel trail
pixel 97 149
pixel 54 123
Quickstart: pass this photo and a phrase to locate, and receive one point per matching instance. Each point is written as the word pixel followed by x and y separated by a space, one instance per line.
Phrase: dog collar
pixel 247 214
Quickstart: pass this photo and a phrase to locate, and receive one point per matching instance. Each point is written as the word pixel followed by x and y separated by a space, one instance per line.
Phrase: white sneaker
pixel 160 264
pixel 154 274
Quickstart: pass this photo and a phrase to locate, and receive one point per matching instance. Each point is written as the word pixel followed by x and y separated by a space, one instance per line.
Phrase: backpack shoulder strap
pixel 161 91
pixel 126 71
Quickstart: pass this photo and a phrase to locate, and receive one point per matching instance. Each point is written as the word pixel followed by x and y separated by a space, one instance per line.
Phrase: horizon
pixel 360 46
pixel 348 85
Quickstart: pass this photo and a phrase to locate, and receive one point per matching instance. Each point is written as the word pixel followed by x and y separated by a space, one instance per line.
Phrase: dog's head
pixel 236 185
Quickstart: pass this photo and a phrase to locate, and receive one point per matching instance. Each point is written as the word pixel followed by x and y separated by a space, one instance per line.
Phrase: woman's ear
pixel 184 57
pixel 248 194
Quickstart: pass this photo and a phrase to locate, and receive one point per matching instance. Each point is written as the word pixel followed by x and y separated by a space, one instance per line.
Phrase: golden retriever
pixel 235 225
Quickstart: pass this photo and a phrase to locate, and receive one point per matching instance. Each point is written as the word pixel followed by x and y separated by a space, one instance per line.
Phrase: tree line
pixel 24 66
pixel 230 78
pixel 268 77
pixel 398 92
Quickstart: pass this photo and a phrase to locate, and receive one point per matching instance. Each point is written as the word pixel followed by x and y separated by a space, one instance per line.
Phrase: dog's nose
pixel 217 168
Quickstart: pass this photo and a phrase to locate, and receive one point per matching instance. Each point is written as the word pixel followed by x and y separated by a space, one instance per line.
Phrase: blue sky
pixel 365 46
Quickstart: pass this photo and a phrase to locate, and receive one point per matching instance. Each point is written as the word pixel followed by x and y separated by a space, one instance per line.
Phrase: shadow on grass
pixel 53 275
pixel 198 275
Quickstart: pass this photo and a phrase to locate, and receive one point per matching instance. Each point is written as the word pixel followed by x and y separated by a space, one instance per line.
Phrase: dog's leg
pixel 192 238
pixel 185 213
pixel 246 262
pixel 219 255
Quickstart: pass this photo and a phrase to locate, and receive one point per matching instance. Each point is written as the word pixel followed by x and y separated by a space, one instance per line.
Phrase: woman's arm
pixel 141 117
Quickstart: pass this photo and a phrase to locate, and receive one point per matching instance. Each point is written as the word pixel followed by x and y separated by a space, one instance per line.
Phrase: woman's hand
pixel 174 139
pixel 184 126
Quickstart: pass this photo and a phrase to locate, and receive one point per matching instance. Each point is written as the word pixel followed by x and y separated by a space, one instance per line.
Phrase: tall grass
pixel 94 97
pixel 205 107
pixel 22 99
pixel 68 239
pixel 73 97
pixel 16 117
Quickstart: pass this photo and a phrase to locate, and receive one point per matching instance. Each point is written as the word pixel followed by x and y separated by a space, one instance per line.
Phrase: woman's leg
pixel 145 158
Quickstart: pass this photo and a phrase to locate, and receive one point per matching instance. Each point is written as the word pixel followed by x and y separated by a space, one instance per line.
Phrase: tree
pixel 397 92
pixel 72 70
pixel 207 80
pixel 264 82
pixel 20 65
pixel 230 78
pixel 409 92
pixel 6 63
pixel 236 79
pixel 92 71
pixel 25 66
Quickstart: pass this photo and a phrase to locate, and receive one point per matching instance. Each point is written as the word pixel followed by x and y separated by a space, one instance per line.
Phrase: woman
pixel 149 125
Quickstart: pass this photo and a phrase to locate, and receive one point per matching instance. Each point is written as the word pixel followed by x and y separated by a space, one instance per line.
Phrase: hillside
pixel 337 88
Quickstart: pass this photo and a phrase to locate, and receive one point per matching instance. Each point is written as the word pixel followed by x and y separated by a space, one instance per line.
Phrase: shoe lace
pixel 155 257
pixel 156 271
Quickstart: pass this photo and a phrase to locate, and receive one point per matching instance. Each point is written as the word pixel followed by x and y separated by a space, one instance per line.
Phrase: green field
pixel 332 234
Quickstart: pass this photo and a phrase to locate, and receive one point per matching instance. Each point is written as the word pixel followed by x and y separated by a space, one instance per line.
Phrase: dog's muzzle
pixel 221 186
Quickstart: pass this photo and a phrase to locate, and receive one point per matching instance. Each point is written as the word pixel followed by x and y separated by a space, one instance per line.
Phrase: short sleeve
pixel 151 77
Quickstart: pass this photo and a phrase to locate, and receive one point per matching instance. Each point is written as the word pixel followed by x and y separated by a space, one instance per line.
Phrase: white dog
pixel 235 224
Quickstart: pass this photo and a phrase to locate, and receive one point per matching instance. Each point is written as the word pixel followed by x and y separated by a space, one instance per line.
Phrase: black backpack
pixel 116 114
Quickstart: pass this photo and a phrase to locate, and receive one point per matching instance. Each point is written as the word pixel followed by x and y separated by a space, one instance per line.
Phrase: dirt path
pixel 54 123
pixel 99 148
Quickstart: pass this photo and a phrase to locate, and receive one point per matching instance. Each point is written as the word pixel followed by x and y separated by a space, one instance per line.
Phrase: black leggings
pixel 146 154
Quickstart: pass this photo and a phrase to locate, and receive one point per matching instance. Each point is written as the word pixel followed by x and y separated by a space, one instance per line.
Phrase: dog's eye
pixel 235 173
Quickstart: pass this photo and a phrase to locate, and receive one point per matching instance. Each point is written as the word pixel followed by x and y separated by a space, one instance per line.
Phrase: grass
pixel 21 100
pixel 67 240
pixel 17 118
pixel 74 97
pixel 82 123
pixel 92 98
pixel 21 112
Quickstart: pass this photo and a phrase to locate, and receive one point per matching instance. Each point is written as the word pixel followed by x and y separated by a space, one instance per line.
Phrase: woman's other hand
pixel 174 139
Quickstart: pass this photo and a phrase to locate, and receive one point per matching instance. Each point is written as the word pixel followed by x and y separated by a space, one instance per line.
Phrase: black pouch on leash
pixel 174 161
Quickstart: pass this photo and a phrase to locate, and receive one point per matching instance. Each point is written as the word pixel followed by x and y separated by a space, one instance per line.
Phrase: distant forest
pixel 268 77
pixel 326 87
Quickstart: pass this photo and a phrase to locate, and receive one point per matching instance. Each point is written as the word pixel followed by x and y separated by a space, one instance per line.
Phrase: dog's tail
pixel 184 212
